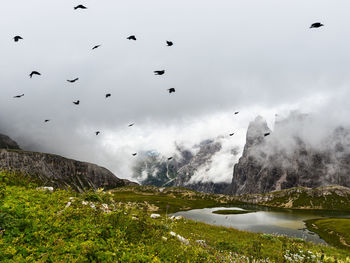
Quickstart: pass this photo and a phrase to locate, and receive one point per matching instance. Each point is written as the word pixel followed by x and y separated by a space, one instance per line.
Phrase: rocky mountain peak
pixel 289 157
pixel 256 131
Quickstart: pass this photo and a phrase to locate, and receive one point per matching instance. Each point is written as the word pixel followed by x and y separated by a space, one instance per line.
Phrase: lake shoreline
pixel 284 222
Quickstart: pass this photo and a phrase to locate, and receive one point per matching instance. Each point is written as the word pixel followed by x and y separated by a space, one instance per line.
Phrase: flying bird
pixel 72 80
pixel 231 134
pixel 169 43
pixel 46 120
pixel 34 73
pixel 97 46
pixel 171 90
pixel 159 72
pixel 236 112
pixel 17 38
pixel 266 134
pixel 19 96
pixel 132 124
pixel 134 154
pixel 80 7
pixel 76 102
pixel 170 158
pixel 97 133
pixel 108 95
pixel 131 38
pixel 316 25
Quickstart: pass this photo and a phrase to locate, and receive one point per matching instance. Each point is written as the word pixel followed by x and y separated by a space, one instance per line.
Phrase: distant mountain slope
pixel 157 170
pixel 333 198
pixel 7 143
pixel 54 170
pixel 285 158
pixel 57 171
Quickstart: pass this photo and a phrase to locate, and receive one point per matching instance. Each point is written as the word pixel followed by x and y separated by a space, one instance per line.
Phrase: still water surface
pixel 264 220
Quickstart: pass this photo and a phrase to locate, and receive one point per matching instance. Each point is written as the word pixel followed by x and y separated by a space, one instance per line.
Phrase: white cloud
pixel 233 55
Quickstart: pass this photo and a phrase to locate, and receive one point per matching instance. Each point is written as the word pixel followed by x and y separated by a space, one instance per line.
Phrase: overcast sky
pixel 258 57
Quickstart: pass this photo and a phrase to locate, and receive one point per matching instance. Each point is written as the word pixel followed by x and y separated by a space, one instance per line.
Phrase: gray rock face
pixel 7 143
pixel 56 171
pixel 179 171
pixel 202 158
pixel 206 151
pixel 285 159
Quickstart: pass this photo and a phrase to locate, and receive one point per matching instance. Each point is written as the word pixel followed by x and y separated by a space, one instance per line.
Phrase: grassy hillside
pixel 170 199
pixel 64 226
pixel 333 230
pixel 335 198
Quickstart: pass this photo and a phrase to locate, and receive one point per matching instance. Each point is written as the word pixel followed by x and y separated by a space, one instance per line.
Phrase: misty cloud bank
pixel 259 58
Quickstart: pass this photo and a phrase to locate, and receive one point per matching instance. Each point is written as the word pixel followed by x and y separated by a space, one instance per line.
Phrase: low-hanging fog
pixel 255 57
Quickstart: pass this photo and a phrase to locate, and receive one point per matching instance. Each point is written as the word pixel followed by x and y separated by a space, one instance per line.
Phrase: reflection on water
pixel 265 220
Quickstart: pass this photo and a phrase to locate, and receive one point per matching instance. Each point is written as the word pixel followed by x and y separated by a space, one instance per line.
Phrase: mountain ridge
pixel 155 169
pixel 56 171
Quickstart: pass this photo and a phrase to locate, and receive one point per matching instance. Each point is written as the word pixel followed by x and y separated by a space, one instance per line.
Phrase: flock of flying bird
pixel 77 102
pixel 157 72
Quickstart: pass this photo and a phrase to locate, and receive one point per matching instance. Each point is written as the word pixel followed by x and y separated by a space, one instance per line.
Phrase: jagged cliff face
pixel 54 170
pixel 179 172
pixel 285 159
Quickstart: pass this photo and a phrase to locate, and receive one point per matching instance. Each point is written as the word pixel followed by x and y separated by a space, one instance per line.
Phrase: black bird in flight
pixel 108 95
pixel 34 73
pixel 171 90
pixel 132 124
pixel 169 43
pixel 97 46
pixel 131 38
pixel 72 80
pixel 159 72
pixel 236 112
pixel 46 120
pixel 170 158
pixel 134 154
pixel 17 38
pixel 97 133
pixel 316 25
pixel 266 134
pixel 19 96
pixel 80 7
pixel 76 102
pixel 231 134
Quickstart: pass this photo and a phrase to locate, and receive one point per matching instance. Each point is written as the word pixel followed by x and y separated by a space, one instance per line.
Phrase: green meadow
pixel 39 225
